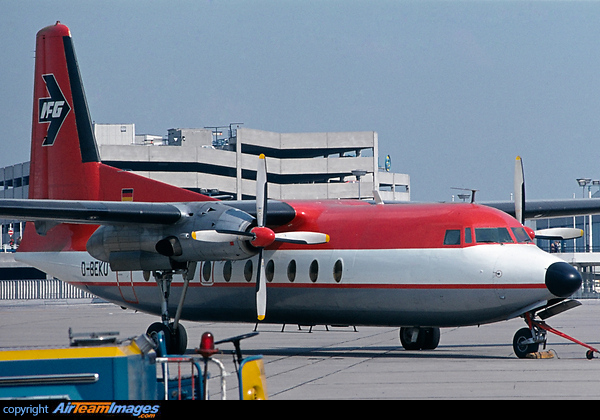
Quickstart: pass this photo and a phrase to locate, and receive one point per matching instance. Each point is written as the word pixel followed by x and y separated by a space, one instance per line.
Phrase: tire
pixel 520 349
pixel 431 338
pixel 178 340
pixel 175 342
pixel 427 338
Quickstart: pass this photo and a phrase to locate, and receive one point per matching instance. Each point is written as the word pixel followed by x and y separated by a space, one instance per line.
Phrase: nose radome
pixel 562 279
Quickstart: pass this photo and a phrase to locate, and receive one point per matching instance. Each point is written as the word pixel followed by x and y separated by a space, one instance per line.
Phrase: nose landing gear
pixel 527 340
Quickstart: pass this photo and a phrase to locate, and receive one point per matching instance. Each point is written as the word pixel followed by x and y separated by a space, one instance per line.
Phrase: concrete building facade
pixel 299 165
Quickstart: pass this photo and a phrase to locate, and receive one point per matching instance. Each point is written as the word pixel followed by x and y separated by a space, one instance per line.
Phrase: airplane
pixel 417 266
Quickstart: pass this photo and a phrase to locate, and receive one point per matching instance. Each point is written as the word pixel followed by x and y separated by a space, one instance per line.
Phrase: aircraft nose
pixel 562 279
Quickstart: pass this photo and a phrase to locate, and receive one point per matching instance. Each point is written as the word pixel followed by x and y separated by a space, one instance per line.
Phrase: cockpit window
pixel 521 235
pixel 492 235
pixel 468 238
pixel 452 237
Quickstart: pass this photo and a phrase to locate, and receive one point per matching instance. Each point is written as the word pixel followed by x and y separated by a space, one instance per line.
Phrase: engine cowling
pixel 163 247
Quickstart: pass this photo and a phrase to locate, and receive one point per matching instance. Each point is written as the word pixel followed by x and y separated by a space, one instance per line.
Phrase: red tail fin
pixel 65 163
pixel 63 150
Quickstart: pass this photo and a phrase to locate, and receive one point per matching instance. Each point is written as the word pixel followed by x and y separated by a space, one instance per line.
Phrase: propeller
pixel 519 190
pixel 551 233
pixel 261 236
pixel 264 237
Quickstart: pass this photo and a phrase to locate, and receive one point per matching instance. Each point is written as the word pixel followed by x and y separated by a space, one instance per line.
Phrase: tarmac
pixel 347 363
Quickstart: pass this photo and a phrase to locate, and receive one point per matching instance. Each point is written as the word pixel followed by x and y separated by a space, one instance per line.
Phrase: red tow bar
pixel 541 324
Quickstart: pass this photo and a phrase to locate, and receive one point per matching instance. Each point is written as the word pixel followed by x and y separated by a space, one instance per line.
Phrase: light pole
pixel 584 182
pixel 587 182
pixel 358 173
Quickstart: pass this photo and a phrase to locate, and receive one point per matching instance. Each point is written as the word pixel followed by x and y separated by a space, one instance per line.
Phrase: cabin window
pixel 337 271
pixel 468 236
pixel 206 270
pixel 291 271
pixel 270 270
pixel 248 270
pixel 227 271
pixel 313 271
pixel 521 235
pixel 452 237
pixel 493 235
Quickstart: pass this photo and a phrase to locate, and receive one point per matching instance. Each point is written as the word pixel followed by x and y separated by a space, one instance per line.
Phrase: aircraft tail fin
pixel 65 162
pixel 64 155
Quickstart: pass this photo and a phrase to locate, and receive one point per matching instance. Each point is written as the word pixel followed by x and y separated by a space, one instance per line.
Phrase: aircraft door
pixel 503 271
pixel 126 288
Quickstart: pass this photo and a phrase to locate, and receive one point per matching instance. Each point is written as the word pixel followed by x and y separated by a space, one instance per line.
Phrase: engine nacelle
pixel 162 247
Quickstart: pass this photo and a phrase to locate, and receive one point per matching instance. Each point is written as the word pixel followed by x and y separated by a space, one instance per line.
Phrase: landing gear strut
pixel 174 333
pixel 527 340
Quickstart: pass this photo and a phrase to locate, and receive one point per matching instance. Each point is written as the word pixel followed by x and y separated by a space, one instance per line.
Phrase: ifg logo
pixel 52 110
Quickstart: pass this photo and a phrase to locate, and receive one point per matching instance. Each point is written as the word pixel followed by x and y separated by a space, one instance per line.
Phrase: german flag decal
pixel 127 194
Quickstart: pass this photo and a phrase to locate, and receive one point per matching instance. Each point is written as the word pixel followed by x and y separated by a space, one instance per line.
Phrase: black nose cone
pixel 562 279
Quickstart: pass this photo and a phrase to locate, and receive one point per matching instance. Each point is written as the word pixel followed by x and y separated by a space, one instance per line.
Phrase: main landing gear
pixel 418 338
pixel 527 340
pixel 174 333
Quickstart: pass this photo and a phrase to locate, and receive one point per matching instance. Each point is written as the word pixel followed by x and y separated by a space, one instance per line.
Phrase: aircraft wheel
pixel 175 342
pixel 432 338
pixel 521 349
pixel 178 339
pixel 421 339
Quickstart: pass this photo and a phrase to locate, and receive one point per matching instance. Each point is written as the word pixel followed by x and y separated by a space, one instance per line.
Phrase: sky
pixel 455 89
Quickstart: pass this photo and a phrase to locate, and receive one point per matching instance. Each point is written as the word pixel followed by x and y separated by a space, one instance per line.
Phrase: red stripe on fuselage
pixel 533 286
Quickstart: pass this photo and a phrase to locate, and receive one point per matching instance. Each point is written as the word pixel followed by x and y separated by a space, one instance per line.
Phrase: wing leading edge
pixel 536 209
pixel 117 212
pixel 89 212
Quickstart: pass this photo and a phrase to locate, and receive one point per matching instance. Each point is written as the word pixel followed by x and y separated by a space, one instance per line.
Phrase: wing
pixel 89 212
pixel 118 212
pixel 535 209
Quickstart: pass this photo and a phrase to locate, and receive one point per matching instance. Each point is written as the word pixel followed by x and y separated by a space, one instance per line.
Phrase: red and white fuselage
pixel 384 265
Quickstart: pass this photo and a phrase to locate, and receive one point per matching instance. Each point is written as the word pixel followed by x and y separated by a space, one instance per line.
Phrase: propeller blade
pixel 261 211
pixel 305 238
pixel 261 191
pixel 261 288
pixel 559 233
pixel 519 189
pixel 217 236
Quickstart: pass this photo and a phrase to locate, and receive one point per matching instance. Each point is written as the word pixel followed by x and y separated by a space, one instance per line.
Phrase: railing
pixel 189 382
pixel 40 289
